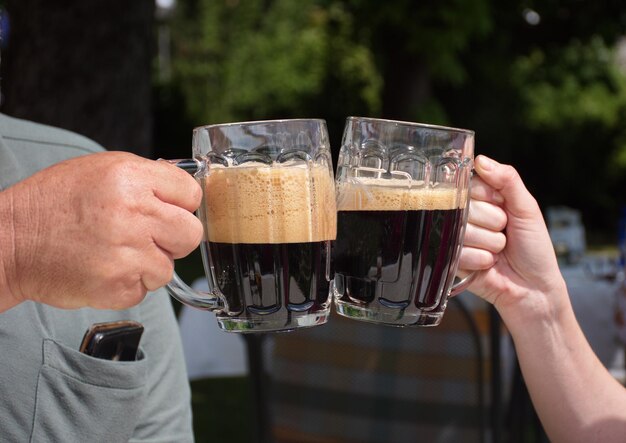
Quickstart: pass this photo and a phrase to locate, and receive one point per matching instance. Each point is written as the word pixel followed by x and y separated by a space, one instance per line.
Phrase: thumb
pixel 505 179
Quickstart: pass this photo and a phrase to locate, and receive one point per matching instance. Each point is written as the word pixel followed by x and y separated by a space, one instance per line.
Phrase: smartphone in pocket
pixel 116 341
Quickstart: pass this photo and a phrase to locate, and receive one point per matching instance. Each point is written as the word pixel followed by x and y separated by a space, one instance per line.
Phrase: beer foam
pixel 270 204
pixel 368 194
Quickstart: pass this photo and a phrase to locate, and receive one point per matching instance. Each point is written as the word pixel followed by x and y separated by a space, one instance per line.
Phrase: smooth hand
pixel 508 242
pixel 99 231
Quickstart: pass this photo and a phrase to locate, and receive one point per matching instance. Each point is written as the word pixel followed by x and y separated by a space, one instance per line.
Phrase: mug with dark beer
pixel 402 202
pixel 269 216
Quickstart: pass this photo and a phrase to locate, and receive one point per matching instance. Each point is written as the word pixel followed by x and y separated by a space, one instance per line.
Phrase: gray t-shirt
pixel 50 392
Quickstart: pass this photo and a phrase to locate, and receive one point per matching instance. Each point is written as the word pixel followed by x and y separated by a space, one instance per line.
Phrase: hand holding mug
pixel 99 230
pixel 516 271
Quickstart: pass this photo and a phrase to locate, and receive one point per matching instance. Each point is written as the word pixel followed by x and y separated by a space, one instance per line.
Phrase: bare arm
pixel 7 299
pixel 98 230
pixel 574 395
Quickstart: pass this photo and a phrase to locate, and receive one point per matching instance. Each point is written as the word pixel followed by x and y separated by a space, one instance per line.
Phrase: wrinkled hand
pixel 99 230
pixel 518 269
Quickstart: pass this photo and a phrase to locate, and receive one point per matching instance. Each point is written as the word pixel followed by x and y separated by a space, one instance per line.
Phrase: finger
pixel 175 186
pixel 176 230
pixel 474 259
pixel 480 238
pixel 116 282
pixel 158 268
pixel 122 292
pixel 482 191
pixel 506 180
pixel 487 215
pixel 130 297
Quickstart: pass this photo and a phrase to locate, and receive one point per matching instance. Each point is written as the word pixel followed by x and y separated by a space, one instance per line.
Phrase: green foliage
pixel 260 59
pixel 351 61
pixel 575 85
pixel 255 59
pixel 436 31
pixel 573 100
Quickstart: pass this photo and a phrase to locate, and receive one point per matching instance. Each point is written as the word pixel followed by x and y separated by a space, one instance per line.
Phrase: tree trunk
pixel 84 66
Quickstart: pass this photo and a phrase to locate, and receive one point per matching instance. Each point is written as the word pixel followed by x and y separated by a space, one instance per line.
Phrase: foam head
pixel 270 204
pixel 396 195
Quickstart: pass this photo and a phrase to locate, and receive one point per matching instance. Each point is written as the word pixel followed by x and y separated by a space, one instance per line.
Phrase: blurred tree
pixel 83 66
pixel 544 93
pixel 265 59
pixel 574 102
pixel 416 44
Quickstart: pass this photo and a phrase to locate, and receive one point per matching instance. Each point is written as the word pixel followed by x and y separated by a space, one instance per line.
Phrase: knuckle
pixel 487 260
pixel 165 270
pixel 168 270
pixel 165 274
pixel 198 233
pixel 137 296
pixel 129 298
pixel 121 164
pixel 501 221
pixel 510 172
pixel 503 242
pixel 195 194
pixel 193 234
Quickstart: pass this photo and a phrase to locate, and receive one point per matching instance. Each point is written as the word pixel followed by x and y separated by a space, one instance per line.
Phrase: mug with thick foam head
pixel 402 201
pixel 269 216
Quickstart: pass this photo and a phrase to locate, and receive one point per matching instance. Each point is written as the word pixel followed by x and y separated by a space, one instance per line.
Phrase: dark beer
pixel 395 251
pixel 265 278
pixel 269 230
pixel 395 257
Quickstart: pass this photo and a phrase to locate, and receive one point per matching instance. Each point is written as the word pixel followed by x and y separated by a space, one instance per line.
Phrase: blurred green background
pixel 543 84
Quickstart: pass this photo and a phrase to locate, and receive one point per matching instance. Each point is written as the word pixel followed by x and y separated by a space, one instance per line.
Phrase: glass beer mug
pixel 402 201
pixel 269 216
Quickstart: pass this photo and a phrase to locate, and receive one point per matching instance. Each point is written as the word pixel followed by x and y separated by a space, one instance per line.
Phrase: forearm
pixel 575 396
pixel 7 250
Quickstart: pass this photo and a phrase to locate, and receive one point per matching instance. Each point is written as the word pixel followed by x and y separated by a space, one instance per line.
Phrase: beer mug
pixel 269 216
pixel 402 202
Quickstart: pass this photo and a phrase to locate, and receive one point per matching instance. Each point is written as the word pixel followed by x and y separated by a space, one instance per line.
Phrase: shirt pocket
pixel 81 398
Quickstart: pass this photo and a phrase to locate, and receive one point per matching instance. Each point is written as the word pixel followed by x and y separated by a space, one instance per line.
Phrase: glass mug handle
pixel 462 284
pixel 177 288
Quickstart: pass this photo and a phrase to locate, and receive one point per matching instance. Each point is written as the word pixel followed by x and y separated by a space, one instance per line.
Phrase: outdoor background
pixel 543 84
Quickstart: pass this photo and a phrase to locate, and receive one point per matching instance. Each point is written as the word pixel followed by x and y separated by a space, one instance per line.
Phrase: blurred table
pixel 350 381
